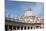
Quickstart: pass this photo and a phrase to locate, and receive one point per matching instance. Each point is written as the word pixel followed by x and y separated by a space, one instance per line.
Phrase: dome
pixel 28 12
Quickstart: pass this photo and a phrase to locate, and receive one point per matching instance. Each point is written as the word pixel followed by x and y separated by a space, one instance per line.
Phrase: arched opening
pixel 10 27
pixel 28 27
pixel 21 27
pixel 25 27
pixel 37 27
pixel 18 27
pixel 14 27
pixel 31 27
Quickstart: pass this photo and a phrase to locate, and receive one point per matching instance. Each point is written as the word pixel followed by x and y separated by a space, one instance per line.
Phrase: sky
pixel 17 8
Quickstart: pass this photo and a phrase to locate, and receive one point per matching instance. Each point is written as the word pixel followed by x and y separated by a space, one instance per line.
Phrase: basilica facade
pixel 28 21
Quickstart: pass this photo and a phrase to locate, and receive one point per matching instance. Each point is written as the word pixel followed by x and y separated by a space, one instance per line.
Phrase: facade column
pixel 23 27
pixel 16 27
pixel 12 27
pixel 8 27
pixel 35 27
pixel 30 27
pixel 42 26
pixel 20 27
pixel 39 27
pixel 26 27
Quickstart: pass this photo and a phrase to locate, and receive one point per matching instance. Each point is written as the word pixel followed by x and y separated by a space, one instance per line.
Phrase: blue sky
pixel 16 8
